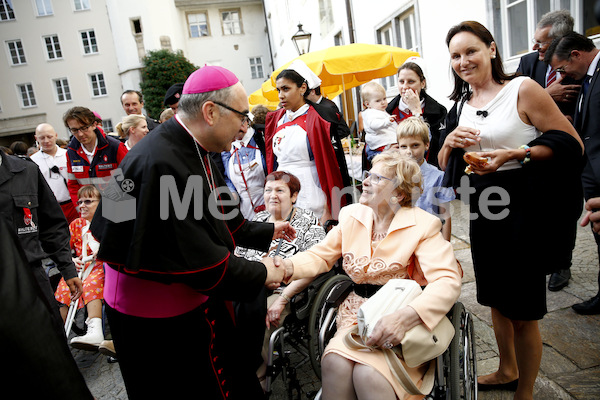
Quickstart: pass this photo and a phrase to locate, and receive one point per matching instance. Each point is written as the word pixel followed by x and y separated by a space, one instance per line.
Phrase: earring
pixel 394 200
pixel 493 56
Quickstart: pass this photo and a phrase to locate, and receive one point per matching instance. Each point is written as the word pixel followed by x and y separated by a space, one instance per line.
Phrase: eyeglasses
pixel 538 43
pixel 87 202
pixel 82 129
pixel 246 117
pixel 563 69
pixel 375 178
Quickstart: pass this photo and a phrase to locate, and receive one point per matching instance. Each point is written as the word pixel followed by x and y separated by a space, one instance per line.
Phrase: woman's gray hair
pixel 190 105
pixel 561 22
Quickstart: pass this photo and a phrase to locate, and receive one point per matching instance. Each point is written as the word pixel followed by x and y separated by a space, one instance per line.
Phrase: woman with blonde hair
pixel 133 128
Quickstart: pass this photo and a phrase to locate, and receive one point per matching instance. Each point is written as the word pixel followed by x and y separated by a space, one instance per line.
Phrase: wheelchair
pixel 456 369
pixel 299 332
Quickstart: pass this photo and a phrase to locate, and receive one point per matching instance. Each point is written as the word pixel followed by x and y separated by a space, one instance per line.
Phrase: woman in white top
pixel 502 117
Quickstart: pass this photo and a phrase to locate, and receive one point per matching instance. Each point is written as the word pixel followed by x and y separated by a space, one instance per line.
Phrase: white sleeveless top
pixel 502 128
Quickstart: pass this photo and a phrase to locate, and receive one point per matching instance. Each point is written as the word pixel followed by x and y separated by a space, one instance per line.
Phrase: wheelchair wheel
pixel 317 317
pixel 462 361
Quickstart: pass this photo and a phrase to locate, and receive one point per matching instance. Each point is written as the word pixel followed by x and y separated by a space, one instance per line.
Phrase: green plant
pixel 162 68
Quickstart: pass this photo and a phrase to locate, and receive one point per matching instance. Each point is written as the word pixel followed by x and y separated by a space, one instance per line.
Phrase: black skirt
pixel 508 238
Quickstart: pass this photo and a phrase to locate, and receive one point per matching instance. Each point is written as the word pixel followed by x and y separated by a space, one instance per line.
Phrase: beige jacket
pixel 413 248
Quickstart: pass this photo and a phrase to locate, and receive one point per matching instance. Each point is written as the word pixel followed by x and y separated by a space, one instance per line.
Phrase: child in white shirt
pixel 379 126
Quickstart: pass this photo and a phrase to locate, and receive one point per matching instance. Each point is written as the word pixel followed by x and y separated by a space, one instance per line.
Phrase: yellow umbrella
pixel 343 67
pixel 257 98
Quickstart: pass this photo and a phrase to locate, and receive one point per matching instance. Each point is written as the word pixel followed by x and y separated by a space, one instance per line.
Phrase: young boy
pixel 413 140
pixel 379 126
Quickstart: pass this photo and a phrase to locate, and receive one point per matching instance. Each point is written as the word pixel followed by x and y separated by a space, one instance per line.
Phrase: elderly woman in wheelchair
pixel 382 238
pixel 280 193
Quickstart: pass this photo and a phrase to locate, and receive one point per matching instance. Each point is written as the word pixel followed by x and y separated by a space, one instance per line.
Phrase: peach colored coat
pixel 413 249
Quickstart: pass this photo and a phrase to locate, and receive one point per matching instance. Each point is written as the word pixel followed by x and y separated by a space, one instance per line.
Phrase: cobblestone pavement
pixel 570 363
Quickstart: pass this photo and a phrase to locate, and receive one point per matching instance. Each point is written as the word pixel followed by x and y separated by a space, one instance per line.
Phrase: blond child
pixel 379 126
pixel 413 140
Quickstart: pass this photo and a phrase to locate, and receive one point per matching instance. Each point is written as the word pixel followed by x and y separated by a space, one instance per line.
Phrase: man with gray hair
pixel 562 88
pixel 171 273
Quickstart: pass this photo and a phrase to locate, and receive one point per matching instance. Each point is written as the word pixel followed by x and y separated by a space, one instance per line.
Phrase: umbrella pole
pixel 351 153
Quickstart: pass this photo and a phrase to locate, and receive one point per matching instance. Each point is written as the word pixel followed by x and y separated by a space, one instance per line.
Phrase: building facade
pixel 64 53
pixel 419 25
pixel 57 54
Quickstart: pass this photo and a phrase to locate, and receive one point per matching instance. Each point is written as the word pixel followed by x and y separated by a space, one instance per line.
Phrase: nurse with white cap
pixel 298 140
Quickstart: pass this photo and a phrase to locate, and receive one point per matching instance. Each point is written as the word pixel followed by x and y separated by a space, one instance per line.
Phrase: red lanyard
pixel 237 155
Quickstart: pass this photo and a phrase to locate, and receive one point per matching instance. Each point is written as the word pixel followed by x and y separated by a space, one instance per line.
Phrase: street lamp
pixel 301 40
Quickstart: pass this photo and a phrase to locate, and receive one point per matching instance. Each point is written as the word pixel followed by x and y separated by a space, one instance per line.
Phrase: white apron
pixel 248 177
pixel 290 145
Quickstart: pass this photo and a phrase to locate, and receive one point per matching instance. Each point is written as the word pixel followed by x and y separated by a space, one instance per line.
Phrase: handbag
pixel 419 344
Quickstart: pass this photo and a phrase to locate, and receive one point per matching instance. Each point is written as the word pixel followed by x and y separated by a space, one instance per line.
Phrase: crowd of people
pixel 236 212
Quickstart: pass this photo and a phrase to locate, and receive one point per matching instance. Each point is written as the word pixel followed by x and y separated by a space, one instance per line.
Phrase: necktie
pixel 586 85
pixel 551 77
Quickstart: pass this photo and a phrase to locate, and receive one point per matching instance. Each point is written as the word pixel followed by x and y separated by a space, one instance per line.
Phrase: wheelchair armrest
pixel 330 223
pixel 339 293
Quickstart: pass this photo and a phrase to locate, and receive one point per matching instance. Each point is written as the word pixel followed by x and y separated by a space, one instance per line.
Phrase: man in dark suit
pixel 576 56
pixel 316 97
pixel 563 90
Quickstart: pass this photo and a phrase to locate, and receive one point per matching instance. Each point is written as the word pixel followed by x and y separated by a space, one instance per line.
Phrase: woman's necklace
pixel 378 236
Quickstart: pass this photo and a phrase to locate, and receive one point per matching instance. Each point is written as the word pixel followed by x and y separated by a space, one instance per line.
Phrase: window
pixel 515 21
pixel 325 16
pixel 17 54
pixel 256 68
pixel 384 36
pixel 588 19
pixel 198 24
pixel 98 85
pixel 6 10
pixel 400 31
pixel 88 39
pixel 53 47
pixel 27 95
pixel 63 92
pixel 81 5
pixel 107 125
pixel 136 26
pixel 44 7
pixel 232 23
pixel 338 39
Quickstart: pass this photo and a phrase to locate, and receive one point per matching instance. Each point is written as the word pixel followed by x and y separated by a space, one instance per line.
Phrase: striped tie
pixel 551 77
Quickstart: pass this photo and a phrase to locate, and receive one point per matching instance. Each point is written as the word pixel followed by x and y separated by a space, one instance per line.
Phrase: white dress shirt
pixel 56 181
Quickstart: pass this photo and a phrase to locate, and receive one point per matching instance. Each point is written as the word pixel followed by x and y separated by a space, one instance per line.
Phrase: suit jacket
pixel 342 126
pixel 587 123
pixel 531 66
pixel 414 242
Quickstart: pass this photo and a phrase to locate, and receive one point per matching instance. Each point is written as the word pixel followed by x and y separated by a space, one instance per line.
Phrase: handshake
pixel 278 270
